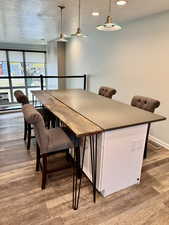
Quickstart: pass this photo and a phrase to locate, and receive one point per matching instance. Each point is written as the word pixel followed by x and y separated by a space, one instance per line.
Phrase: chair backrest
pixel 107 92
pixel 32 116
pixel 145 103
pixel 21 97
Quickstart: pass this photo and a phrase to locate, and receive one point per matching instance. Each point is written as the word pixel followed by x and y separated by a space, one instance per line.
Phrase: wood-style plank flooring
pixel 22 202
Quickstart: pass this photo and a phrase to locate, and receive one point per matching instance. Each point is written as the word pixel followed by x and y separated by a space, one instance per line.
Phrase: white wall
pixel 133 60
pixel 52 64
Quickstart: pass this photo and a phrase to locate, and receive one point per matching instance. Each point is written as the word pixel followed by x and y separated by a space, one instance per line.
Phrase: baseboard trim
pixel 158 141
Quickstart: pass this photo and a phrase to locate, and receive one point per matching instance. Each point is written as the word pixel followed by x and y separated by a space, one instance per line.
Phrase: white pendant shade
pixel 61 38
pixel 109 25
pixel 78 32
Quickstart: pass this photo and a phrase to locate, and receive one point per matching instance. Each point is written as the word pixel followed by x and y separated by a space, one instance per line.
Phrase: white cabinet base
pixel 120 158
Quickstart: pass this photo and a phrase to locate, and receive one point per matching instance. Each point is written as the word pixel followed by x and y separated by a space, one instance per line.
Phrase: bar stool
pixel 49 141
pixel 107 92
pixel 46 114
pixel 147 104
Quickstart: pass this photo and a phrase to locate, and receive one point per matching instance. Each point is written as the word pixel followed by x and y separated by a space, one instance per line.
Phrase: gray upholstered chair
pixel 107 92
pixel 147 104
pixel 47 116
pixel 49 141
pixel 21 97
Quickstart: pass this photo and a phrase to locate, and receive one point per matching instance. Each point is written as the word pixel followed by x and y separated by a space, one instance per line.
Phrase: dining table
pixel 111 137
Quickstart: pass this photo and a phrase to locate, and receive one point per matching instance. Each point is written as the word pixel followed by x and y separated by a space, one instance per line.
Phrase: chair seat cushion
pixel 58 140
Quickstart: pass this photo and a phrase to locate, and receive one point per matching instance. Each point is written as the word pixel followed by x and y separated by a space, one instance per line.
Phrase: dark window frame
pixel 26 87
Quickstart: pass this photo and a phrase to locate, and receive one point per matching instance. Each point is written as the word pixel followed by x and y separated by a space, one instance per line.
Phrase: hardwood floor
pixel 22 201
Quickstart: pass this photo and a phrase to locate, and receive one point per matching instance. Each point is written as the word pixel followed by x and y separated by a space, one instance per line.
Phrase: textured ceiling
pixel 29 21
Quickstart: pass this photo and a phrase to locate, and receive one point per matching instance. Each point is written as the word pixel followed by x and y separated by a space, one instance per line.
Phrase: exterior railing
pixel 41 84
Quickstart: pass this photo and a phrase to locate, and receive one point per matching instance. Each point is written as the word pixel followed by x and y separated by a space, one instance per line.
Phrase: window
pixel 35 66
pixel 3 64
pixel 19 63
pixel 5 92
pixel 16 68
pixel 35 63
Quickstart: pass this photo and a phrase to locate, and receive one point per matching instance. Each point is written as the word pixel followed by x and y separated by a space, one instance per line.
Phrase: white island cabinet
pixel 120 158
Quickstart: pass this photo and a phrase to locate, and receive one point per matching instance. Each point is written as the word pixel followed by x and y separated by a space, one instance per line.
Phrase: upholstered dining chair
pixel 107 92
pixel 147 104
pixel 49 141
pixel 47 116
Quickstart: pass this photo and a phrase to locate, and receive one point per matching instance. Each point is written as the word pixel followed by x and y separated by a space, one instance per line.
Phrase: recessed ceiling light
pixel 95 14
pixel 121 2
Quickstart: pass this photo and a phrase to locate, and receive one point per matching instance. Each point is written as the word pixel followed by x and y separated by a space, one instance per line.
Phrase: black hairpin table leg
pixel 146 143
pixel 93 152
pixel 77 182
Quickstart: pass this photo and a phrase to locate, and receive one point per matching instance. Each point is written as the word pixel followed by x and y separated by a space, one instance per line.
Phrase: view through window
pixel 19 63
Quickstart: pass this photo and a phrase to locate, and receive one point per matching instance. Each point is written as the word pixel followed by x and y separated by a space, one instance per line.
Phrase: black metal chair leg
pixel 53 123
pixel 29 137
pixel 67 155
pixel 48 124
pixel 25 129
pixel 33 100
pixel 37 157
pixel 44 171
pixel 57 121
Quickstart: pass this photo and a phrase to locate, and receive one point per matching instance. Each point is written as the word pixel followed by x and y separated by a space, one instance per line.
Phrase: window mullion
pixel 25 74
pixel 9 75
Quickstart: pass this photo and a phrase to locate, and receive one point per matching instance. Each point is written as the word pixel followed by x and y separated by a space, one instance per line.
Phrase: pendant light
pixel 79 32
pixel 61 36
pixel 109 25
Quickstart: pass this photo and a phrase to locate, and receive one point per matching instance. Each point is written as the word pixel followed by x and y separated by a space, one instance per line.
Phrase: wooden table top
pixel 106 113
pixel 76 122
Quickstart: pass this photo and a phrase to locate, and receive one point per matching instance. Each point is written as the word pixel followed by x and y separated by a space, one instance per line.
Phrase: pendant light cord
pixel 110 7
pixel 79 12
pixel 61 19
